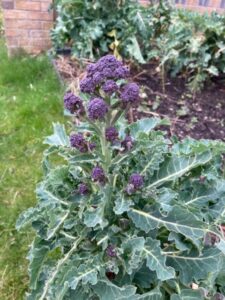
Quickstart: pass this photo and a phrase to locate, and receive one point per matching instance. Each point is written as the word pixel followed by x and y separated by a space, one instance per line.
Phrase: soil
pixel 200 115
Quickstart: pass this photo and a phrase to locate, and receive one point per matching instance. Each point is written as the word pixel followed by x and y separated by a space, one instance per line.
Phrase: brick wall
pixel 198 5
pixel 202 5
pixel 27 24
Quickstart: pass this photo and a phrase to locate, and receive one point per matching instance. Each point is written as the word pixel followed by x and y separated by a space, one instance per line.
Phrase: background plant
pixel 127 213
pixel 192 45
pixel 182 42
pixel 94 28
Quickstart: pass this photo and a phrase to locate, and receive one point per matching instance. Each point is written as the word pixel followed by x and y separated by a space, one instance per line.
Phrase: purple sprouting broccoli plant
pixel 83 189
pixel 111 134
pixel 136 182
pixel 103 75
pixel 111 251
pixel 98 175
pixel 80 143
pixel 125 202
pixel 110 87
pixel 130 95
pixel 73 103
pixel 97 109
pixel 127 143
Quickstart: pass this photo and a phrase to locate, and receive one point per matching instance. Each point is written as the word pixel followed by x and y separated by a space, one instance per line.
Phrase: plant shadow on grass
pixel 30 100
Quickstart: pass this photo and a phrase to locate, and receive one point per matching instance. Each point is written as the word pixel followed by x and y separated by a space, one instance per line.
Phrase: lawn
pixel 30 100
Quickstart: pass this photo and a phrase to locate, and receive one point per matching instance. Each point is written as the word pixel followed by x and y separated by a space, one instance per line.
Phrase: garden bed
pixel 200 115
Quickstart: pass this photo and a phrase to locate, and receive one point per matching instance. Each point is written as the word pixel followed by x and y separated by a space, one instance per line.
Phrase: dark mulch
pixel 198 116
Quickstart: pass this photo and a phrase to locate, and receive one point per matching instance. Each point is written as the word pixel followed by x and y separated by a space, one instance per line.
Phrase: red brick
pixel 47 25
pixel 25 5
pixel 16 33
pixel 7 4
pixel 22 24
pixel 45 6
pixel 39 34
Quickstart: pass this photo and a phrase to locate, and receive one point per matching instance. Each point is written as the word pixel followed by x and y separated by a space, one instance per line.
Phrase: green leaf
pixel 145 125
pixel 196 267
pixel 84 274
pixel 156 261
pixel 134 50
pixel 176 166
pixel 122 205
pixel 188 295
pixel 94 216
pixel 132 248
pixel 47 197
pixel 59 137
pixel 201 194
pixel 153 295
pixel 178 220
pixel 26 218
pixel 213 70
pixel 56 221
pixel 36 256
pixel 107 290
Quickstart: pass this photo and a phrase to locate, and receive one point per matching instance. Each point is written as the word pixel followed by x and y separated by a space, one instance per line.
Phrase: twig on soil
pixel 175 120
pixel 139 74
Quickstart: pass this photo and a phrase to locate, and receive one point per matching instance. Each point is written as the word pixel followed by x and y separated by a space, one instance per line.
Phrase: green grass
pixel 30 100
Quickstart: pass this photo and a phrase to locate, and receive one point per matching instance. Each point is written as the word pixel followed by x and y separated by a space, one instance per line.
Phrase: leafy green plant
pixel 127 214
pixel 192 45
pixel 95 27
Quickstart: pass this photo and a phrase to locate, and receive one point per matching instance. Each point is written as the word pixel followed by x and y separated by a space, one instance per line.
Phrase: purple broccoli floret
pixel 98 175
pixel 136 180
pixel 130 94
pixel 121 72
pixel 111 134
pixel 73 103
pixel 105 69
pixel 97 109
pixel 78 141
pixel 127 143
pixel 111 251
pixel 87 85
pixel 83 189
pixel 109 87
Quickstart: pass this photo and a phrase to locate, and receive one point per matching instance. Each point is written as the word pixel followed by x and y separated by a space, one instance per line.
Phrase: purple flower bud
pixel 108 60
pixel 121 72
pixel 136 180
pixel 77 141
pixel 97 78
pixel 87 85
pixel 98 174
pixel 83 189
pixel 73 103
pixel 97 109
pixel 111 134
pixel 110 87
pixel 92 146
pixel 111 251
pixel 127 143
pixel 91 68
pixel 130 94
